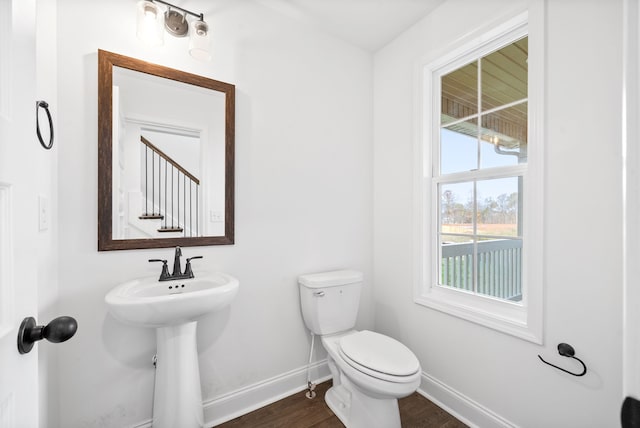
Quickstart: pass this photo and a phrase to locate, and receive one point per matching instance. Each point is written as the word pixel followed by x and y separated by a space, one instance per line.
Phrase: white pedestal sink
pixel 172 307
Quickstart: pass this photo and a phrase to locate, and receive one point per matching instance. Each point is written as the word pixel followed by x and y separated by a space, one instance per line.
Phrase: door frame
pixel 631 199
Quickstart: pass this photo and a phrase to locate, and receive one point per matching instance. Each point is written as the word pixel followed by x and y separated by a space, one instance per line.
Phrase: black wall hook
pixel 567 350
pixel 45 106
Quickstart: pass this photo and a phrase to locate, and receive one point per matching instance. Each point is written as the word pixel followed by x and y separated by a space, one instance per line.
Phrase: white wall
pixel 583 249
pixel 303 201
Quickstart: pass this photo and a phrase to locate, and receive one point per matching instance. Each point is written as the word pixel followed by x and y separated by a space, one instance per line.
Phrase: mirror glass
pixel 165 156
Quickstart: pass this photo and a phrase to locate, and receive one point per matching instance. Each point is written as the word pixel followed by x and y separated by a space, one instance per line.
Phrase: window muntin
pixel 479 174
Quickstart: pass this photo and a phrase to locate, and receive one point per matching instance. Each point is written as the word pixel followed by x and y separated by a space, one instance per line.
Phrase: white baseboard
pixel 459 405
pixel 242 401
pixel 237 403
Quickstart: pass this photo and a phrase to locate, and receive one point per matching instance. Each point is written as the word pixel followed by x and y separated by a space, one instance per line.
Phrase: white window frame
pixel 522 319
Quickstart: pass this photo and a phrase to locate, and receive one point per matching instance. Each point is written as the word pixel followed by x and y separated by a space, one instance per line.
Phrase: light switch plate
pixel 215 216
pixel 43 212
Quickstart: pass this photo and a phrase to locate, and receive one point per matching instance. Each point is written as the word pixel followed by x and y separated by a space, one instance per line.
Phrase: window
pixel 478 174
pixel 480 185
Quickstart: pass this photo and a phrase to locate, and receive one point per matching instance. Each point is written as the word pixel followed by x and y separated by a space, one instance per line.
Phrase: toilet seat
pixel 379 356
pixel 372 383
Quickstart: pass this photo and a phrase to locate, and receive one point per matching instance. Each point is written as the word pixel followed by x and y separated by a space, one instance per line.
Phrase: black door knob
pixel 58 330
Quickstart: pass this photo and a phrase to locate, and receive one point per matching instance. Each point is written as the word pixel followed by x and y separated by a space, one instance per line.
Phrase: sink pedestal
pixel 177 399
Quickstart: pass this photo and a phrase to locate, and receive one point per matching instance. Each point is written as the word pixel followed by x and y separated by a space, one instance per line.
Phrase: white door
pixel 18 212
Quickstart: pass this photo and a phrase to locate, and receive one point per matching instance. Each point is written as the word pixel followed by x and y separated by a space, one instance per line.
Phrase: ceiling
pixel 369 24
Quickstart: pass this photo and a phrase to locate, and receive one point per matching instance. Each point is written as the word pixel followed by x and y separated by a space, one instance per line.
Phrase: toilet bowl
pixel 370 371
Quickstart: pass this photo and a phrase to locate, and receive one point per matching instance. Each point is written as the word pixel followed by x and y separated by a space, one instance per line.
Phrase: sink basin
pixel 148 302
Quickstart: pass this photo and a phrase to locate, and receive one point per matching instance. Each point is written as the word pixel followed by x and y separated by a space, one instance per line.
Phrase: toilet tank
pixel 330 300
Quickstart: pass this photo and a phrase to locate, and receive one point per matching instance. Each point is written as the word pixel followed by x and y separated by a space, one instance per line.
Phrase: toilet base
pixel 339 403
pixel 358 410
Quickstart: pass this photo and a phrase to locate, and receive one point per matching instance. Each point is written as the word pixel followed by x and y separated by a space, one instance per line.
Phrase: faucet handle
pixel 187 269
pixel 165 269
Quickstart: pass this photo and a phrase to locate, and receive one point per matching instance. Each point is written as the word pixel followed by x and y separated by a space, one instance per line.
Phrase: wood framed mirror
pixel 165 156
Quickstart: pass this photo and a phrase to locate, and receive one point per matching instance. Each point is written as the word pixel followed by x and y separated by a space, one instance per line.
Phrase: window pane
pixel 504 137
pixel 498 206
pixel 504 75
pixel 500 268
pixel 459 147
pixel 456 208
pixel 456 268
pixel 459 93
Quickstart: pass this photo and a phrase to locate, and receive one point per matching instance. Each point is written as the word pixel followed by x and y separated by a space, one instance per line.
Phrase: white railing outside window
pixel 499 264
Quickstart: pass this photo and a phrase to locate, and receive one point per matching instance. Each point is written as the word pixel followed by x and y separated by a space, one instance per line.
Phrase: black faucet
pixel 176 274
pixel 176 263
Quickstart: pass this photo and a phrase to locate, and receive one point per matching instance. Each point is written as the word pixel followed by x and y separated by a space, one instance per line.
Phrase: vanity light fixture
pixel 151 20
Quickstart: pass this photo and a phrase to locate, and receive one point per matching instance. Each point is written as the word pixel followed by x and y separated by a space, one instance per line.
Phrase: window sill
pixel 507 317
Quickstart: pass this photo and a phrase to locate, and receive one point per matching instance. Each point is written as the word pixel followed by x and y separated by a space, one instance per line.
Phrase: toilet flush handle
pixel 319 293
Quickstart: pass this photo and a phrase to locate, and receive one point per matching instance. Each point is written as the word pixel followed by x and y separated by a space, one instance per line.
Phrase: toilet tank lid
pixel 330 279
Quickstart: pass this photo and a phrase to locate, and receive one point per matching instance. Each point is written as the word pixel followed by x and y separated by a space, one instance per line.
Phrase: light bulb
pixel 150 23
pixel 199 41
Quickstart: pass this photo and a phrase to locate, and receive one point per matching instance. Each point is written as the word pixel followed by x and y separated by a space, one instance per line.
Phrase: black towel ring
pixel 45 106
pixel 567 350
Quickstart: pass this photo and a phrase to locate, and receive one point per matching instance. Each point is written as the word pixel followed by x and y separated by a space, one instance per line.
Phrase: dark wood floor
pixel 297 411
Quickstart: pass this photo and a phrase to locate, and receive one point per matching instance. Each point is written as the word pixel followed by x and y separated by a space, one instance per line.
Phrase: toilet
pixel 370 370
